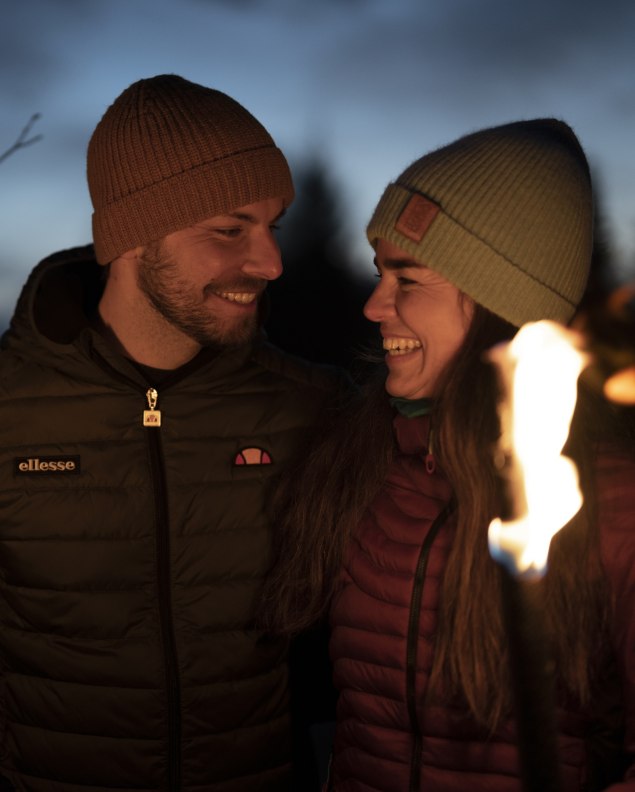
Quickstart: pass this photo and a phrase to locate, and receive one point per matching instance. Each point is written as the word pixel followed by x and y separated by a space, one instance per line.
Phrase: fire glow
pixel 538 372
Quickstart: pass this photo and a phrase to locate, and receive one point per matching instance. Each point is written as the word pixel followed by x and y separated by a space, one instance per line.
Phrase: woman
pixel 389 524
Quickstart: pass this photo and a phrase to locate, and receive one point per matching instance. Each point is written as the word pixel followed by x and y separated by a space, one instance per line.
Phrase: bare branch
pixel 23 139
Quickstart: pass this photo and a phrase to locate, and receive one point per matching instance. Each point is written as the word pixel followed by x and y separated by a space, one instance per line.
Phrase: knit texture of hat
pixel 505 214
pixel 169 153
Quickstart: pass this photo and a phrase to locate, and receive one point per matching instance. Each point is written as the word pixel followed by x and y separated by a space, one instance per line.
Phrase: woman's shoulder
pixel 614 463
pixel 615 498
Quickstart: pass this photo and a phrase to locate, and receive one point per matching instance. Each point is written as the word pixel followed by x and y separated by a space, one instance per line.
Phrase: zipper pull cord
pixel 429 460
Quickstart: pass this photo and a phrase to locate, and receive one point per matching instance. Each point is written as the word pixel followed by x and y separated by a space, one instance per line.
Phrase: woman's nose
pixel 380 305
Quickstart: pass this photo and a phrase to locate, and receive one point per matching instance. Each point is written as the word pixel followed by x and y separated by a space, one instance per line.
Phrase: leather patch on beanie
pixel 416 217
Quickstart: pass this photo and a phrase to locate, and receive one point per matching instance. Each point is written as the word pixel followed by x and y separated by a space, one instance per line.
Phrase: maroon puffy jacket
pixel 383 626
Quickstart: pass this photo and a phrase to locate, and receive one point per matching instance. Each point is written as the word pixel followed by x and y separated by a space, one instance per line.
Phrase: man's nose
pixel 264 259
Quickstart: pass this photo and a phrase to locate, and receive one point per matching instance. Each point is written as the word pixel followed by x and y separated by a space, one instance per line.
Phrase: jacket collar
pixel 412 434
pixel 52 323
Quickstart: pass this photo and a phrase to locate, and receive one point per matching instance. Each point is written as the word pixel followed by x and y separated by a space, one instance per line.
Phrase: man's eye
pixel 228 232
pixel 405 281
pixel 274 227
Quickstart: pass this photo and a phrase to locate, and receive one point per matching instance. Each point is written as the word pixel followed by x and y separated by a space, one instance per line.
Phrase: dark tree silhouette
pixel 316 312
pixel 316 306
pixel 606 318
pixel 602 275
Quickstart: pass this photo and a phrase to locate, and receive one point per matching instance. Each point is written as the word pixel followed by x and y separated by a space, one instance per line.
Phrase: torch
pixel 538 372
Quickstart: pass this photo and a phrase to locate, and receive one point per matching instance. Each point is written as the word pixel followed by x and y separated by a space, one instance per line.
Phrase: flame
pixel 539 369
pixel 620 387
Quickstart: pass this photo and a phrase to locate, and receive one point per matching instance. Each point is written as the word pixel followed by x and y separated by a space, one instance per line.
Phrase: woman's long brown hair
pixel 345 470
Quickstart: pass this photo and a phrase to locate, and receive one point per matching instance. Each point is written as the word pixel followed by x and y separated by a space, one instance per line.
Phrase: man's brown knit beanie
pixel 169 153
pixel 505 214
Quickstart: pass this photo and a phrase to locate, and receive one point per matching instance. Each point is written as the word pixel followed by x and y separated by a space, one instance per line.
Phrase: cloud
pixel 480 52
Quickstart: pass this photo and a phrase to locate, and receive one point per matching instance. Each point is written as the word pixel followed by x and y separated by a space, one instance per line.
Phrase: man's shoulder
pixel 81 253
pixel 299 372
pixel 60 262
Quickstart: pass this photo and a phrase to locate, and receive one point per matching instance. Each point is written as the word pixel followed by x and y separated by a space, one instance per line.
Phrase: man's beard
pixel 184 307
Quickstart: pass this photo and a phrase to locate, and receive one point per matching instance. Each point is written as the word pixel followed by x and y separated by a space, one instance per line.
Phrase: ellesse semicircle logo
pixel 253 455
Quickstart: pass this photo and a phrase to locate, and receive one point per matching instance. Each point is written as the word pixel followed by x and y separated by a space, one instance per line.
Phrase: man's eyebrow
pixel 249 218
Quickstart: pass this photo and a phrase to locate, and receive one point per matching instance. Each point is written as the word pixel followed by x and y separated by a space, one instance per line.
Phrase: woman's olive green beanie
pixel 505 214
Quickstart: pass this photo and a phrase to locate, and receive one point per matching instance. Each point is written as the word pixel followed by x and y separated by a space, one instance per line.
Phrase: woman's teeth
pixel 400 346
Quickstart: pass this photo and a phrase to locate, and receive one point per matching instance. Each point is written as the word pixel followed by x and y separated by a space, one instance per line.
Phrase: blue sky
pixel 367 85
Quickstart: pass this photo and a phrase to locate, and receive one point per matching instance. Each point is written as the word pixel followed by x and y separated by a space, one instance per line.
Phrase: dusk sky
pixel 365 85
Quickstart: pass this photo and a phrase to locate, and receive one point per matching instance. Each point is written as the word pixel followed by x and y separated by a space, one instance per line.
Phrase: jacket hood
pixel 57 300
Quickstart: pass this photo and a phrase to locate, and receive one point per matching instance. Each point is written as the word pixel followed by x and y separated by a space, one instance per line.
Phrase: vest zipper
pixel 413 645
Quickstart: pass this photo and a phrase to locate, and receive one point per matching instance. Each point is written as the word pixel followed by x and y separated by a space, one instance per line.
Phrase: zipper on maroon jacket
pixel 162 539
pixel 413 645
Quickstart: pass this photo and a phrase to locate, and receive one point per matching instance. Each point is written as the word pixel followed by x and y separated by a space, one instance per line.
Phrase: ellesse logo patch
pixel 43 465
pixel 253 456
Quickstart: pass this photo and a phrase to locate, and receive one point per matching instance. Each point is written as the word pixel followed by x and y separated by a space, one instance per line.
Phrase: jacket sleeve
pixel 616 513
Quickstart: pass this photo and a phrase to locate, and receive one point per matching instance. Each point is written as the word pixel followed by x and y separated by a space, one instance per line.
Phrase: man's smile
pixel 239 297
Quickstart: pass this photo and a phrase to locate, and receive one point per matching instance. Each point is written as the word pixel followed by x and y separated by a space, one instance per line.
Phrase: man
pixel 143 420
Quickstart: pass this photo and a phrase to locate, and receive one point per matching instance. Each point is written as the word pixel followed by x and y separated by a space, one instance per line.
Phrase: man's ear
pixel 131 255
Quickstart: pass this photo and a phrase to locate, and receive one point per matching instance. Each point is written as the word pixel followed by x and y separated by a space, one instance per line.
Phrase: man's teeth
pixel 400 346
pixel 239 297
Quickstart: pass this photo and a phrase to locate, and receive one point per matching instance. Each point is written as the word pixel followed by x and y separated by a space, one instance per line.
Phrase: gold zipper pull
pixel 152 417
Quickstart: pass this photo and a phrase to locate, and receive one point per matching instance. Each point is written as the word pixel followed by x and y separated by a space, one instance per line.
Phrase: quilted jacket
pixel 132 552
